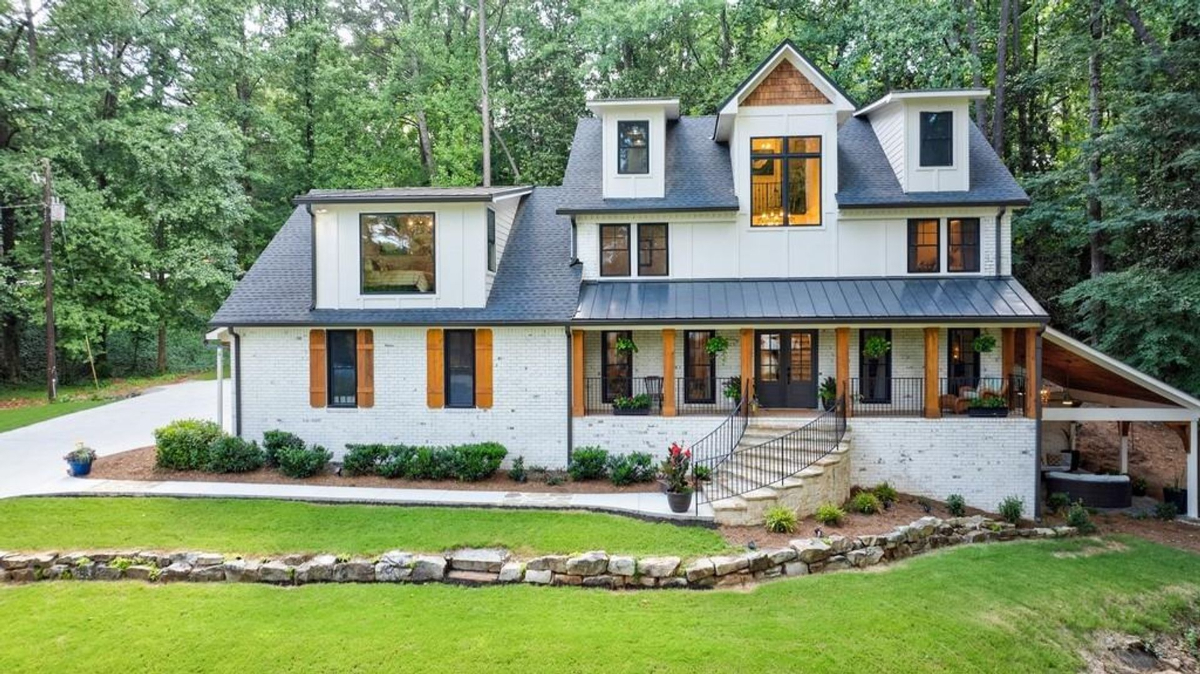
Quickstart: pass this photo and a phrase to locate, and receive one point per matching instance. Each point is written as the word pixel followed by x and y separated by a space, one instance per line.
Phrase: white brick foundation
pixel 621 435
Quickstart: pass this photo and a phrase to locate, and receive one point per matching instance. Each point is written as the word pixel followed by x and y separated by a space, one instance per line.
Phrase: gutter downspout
pixel 1037 444
pixel 999 249
pixel 574 243
pixel 312 255
pixel 570 391
pixel 237 382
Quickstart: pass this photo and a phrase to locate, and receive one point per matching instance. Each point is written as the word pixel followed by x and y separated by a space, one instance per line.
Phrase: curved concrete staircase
pixel 754 463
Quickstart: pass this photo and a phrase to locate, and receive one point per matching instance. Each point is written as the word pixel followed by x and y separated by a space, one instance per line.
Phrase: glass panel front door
pixel 786 369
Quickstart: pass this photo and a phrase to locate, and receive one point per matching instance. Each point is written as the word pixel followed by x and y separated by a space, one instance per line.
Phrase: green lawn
pixel 17 417
pixel 1015 607
pixel 265 527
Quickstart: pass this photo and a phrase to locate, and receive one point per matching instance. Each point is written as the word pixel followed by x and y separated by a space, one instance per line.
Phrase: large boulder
pixel 724 566
pixel 243 571
pixel 622 566
pixel 591 563
pixel 658 567
pixel 428 567
pixel 354 571
pixel 555 563
pixel 488 560
pixel 393 567
pixel 319 569
pixel 809 550
pixel 510 572
pixel 276 572
pixel 176 571
pixel 538 576
pixel 700 569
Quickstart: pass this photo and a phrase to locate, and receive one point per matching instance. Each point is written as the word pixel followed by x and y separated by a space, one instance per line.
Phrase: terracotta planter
pixel 679 502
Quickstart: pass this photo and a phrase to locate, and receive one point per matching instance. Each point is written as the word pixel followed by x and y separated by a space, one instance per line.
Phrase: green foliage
pixel 1057 502
pixel 876 347
pixel 1079 517
pixel 830 514
pixel 431 463
pixel 866 503
pixel 1011 508
pixel 626 346
pixel 957 505
pixel 886 493
pixel 472 463
pixel 716 345
pixel 781 520
pixel 275 442
pixel 988 402
pixel 732 389
pixel 302 462
pixel 702 473
pixel 984 343
pixel 517 472
pixel 1166 511
pixel 625 469
pixel 1140 486
pixel 828 390
pixel 183 444
pixel 364 459
pixel 231 454
pixel 588 463
pixel 396 462
pixel 640 401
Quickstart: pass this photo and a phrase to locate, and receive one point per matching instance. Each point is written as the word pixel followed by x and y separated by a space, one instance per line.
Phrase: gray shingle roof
pixel 811 300
pixel 866 179
pixel 699 176
pixel 400 194
pixel 535 283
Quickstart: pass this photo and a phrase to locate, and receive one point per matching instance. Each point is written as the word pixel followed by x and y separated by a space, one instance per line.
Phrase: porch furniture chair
pixel 654 389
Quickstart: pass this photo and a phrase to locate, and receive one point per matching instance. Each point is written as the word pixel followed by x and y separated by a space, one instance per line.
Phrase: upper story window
pixel 652 249
pixel 785 181
pixel 614 250
pixel 633 147
pixel 937 138
pixel 343 368
pixel 962 245
pixel 491 240
pixel 397 252
pixel 923 251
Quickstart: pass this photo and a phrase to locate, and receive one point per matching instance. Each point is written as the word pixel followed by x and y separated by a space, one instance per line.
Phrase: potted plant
pixel 984 343
pixel 987 405
pixel 828 393
pixel 876 347
pixel 626 346
pixel 638 405
pixel 717 346
pixel 1176 494
pixel 79 460
pixel 675 472
pixel 733 389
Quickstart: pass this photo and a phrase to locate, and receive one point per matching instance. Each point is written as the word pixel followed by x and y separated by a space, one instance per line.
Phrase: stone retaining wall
pixel 488 566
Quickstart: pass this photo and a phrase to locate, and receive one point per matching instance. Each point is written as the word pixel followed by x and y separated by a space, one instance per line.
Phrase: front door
pixel 786 366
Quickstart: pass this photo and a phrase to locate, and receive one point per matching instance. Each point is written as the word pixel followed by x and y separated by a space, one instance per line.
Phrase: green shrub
pixel 301 462
pixel 274 441
pixel 781 520
pixel 702 473
pixel 431 463
pixel 886 494
pixel 472 463
pixel 956 504
pixel 231 454
pixel 395 461
pixel 1166 511
pixel 830 514
pixel 517 472
pixel 632 468
pixel 1058 502
pixel 183 444
pixel 1011 509
pixel 866 502
pixel 1140 486
pixel 1078 517
pixel 364 459
pixel 588 463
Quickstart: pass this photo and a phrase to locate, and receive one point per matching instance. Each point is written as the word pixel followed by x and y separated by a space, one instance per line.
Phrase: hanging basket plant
pixel 716 346
pixel 876 347
pixel 984 343
pixel 625 346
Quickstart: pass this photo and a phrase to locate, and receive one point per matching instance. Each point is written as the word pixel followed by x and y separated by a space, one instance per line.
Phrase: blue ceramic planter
pixel 80 468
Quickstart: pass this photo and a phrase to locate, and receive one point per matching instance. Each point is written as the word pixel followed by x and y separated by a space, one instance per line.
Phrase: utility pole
pixel 483 79
pixel 48 262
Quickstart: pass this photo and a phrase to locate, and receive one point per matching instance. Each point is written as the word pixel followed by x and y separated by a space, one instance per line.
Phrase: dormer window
pixel 937 138
pixel 396 251
pixel 785 181
pixel 633 147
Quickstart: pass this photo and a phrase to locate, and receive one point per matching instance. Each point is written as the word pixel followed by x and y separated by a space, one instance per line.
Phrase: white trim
pixel 218 335
pixel 1121 369
pixel 1193 472
pixel 670 106
pixel 1084 414
pixel 922 95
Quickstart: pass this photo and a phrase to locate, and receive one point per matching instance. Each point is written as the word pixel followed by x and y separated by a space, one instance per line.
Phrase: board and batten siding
pixel 888 124
pixel 506 213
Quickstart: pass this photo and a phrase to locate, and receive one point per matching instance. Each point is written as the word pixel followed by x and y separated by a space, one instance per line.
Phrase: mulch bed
pixel 138 464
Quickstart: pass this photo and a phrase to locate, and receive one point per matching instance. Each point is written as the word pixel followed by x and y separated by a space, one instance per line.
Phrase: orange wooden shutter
pixel 483 368
pixel 435 386
pixel 317 372
pixel 366 369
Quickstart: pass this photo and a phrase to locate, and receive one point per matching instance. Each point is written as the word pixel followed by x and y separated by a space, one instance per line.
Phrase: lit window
pixel 633 147
pixel 785 181
pixel 962 248
pixel 937 144
pixel 923 254
pixel 397 252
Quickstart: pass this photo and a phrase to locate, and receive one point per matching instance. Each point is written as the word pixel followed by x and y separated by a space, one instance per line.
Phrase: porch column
pixel 578 374
pixel 1033 388
pixel 843 367
pixel 221 385
pixel 746 339
pixel 1193 473
pixel 668 365
pixel 932 400
pixel 1123 428
pixel 1008 352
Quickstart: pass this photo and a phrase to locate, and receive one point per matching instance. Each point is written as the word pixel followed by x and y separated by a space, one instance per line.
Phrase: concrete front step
pixel 828 480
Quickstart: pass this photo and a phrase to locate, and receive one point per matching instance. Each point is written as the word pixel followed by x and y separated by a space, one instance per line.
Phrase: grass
pixel 267 527
pixel 1015 607
pixel 26 415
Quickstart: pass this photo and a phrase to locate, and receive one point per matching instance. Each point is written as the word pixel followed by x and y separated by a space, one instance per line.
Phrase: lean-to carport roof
pixel 977 300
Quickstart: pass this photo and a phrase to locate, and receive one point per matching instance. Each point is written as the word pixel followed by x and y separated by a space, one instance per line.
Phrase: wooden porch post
pixel 842 367
pixel 1123 429
pixel 578 373
pixel 668 365
pixel 1033 387
pixel 932 400
pixel 1008 352
pixel 746 338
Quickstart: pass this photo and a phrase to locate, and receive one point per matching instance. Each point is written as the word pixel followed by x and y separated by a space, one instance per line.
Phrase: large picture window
pixel 700 368
pixel 397 252
pixel 923 253
pixel 617 367
pixel 460 368
pixel 633 147
pixel 785 181
pixel 614 250
pixel 652 249
pixel 343 368
pixel 962 247
pixel 937 138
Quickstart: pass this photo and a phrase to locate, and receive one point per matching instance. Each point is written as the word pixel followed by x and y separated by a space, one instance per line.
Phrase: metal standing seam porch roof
pixel 988 299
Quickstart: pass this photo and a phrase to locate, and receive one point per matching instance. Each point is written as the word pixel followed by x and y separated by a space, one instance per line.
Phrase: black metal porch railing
pixel 905 396
pixel 692 396
pixel 714 449
pixel 701 396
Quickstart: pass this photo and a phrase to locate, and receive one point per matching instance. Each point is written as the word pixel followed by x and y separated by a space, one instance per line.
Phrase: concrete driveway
pixel 31 457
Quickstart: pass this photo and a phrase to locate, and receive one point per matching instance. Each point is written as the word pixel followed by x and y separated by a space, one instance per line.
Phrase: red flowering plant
pixel 677 469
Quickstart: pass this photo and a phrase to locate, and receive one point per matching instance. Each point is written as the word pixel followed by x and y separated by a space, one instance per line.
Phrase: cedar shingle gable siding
pixel 785 86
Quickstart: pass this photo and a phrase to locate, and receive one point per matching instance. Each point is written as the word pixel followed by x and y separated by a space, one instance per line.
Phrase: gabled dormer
pixel 634 145
pixel 926 137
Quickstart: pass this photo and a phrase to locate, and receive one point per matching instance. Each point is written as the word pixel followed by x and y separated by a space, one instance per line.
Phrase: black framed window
pixel 652 249
pixel 617 367
pixel 924 255
pixel 614 250
pixel 962 245
pixel 962 361
pixel 491 240
pixel 460 368
pixel 875 374
pixel 937 138
pixel 342 349
pixel 633 147
pixel 397 251
pixel 699 368
pixel 785 181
